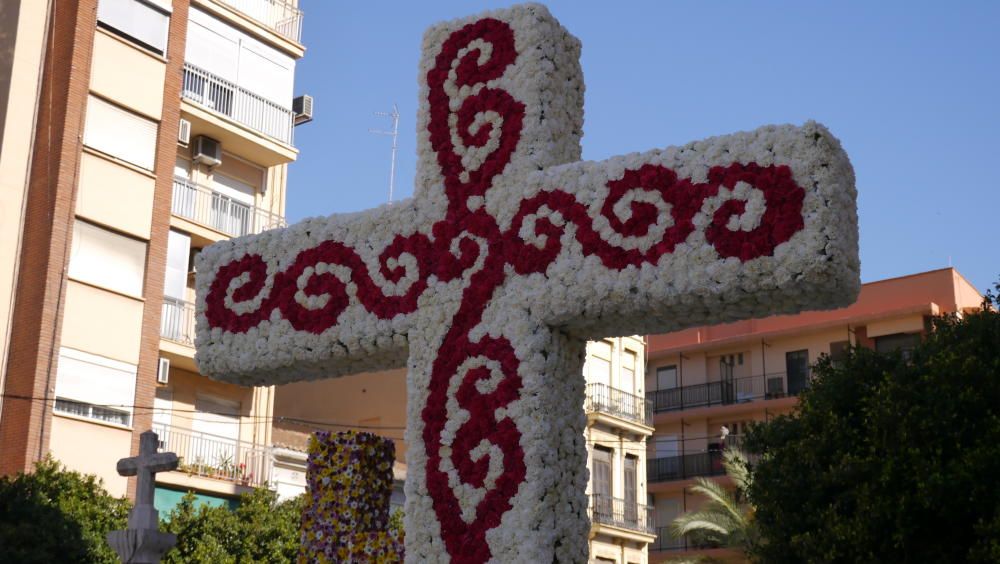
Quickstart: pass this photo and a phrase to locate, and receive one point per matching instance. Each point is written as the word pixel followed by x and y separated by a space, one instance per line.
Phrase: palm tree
pixel 726 518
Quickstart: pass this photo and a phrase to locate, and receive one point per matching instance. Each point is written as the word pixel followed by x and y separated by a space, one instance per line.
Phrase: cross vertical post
pixel 512 253
pixel 142 542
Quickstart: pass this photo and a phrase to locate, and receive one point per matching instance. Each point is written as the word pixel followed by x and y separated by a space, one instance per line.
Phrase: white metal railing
pixel 177 321
pixel 238 103
pixel 213 456
pixel 280 16
pixel 214 209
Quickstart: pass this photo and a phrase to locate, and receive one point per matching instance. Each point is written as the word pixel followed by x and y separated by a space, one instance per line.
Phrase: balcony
pixel 282 17
pixel 621 514
pixel 212 456
pixel 217 211
pixel 727 392
pixel 177 321
pixel 684 466
pixel 237 103
pixel 605 399
pixel 664 541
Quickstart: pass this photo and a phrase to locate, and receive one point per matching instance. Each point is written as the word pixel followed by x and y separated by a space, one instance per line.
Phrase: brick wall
pixel 41 287
pixel 156 258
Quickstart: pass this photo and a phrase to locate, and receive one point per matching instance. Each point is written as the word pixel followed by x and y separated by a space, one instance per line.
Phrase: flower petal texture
pixel 512 253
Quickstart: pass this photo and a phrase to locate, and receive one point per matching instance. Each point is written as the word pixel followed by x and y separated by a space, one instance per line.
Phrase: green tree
pixel 726 519
pixel 56 515
pixel 261 530
pixel 889 458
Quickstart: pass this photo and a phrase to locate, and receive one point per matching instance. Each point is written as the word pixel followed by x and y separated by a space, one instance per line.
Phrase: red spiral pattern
pixel 464 239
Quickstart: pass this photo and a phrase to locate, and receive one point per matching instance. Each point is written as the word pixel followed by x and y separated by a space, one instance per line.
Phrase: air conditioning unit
pixel 303 109
pixel 184 132
pixel 163 372
pixel 207 151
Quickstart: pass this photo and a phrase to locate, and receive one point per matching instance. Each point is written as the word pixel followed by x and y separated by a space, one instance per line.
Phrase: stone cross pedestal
pixel 142 542
pixel 509 257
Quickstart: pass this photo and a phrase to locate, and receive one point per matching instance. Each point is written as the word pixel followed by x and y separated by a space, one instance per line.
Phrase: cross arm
pixel 157 462
pixel 744 225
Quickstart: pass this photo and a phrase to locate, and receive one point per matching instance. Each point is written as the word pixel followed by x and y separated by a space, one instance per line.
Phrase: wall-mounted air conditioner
pixel 207 151
pixel 184 132
pixel 163 372
pixel 303 109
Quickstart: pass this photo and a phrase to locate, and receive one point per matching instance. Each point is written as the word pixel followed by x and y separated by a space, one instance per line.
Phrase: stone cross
pixel 142 542
pixel 511 254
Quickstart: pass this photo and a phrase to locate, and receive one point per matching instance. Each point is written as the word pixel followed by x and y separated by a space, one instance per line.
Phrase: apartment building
pixel 703 379
pixel 162 127
pixel 619 419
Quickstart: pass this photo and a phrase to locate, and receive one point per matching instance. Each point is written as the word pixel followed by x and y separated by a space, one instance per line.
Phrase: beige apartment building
pixel 706 378
pixel 619 420
pixel 137 132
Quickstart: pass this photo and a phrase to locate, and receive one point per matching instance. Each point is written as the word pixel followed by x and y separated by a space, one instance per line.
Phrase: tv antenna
pixel 394 114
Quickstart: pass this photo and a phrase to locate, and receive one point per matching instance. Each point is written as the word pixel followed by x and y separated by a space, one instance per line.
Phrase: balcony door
pixel 797 370
pixel 667 509
pixel 232 205
pixel 631 489
pixel 215 435
pixel 602 484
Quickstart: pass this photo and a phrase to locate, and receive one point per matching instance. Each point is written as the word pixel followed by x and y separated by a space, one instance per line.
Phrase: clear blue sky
pixel 912 89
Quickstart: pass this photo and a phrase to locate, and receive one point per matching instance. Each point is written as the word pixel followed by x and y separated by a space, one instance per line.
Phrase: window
pixel 120 133
pixel 216 432
pixel 95 387
pixel 178 253
pixel 631 489
pixel 602 481
pixel 232 55
pixel 666 377
pixel 902 342
pixel 838 351
pixel 144 22
pixel 600 363
pixel 797 371
pixel 232 205
pixel 107 259
pixel 628 372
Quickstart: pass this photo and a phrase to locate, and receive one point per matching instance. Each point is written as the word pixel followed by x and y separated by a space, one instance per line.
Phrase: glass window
pixel 107 259
pixel 602 471
pixel 666 377
pixel 903 342
pixel 178 253
pixel 838 351
pixel 631 488
pixel 93 386
pixel 120 133
pixel 628 372
pixel 599 363
pixel 797 371
pixel 143 22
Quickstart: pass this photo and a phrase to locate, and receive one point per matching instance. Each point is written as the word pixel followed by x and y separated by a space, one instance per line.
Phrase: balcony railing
pixel 684 466
pixel 218 457
pixel 725 392
pixel 664 541
pixel 602 398
pixel 177 321
pixel 238 103
pixel 220 212
pixel 282 17
pixel 621 513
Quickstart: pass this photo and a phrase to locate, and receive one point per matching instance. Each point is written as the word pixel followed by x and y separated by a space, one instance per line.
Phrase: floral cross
pixel 511 254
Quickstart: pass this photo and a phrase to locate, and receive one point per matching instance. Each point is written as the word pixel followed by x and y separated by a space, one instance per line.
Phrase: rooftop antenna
pixel 395 134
